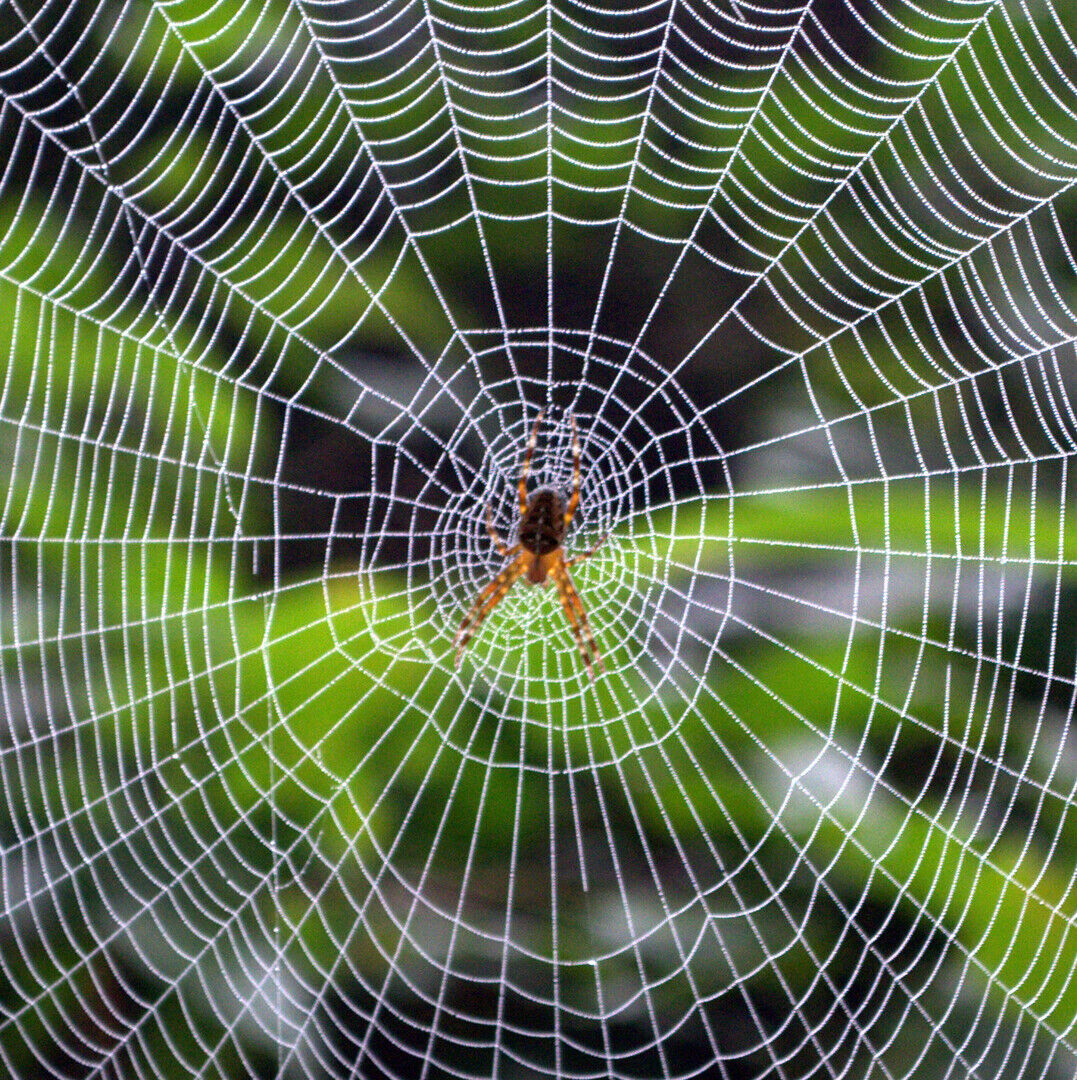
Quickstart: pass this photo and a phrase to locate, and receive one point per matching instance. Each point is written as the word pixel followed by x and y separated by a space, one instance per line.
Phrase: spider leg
pixel 574 500
pixel 576 616
pixel 586 554
pixel 498 542
pixel 527 462
pixel 489 598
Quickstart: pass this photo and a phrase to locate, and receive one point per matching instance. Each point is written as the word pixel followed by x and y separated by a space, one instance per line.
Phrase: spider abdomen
pixel 542 527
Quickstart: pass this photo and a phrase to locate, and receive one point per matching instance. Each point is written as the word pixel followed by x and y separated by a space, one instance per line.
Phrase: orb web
pixel 283 289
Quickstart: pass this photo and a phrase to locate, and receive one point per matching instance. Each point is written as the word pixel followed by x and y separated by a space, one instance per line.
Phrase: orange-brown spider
pixel 544 520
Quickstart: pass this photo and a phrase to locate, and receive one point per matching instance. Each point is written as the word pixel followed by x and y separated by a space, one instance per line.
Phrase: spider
pixel 544 520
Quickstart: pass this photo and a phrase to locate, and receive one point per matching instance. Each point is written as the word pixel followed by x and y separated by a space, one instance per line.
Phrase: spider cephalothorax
pixel 544 520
